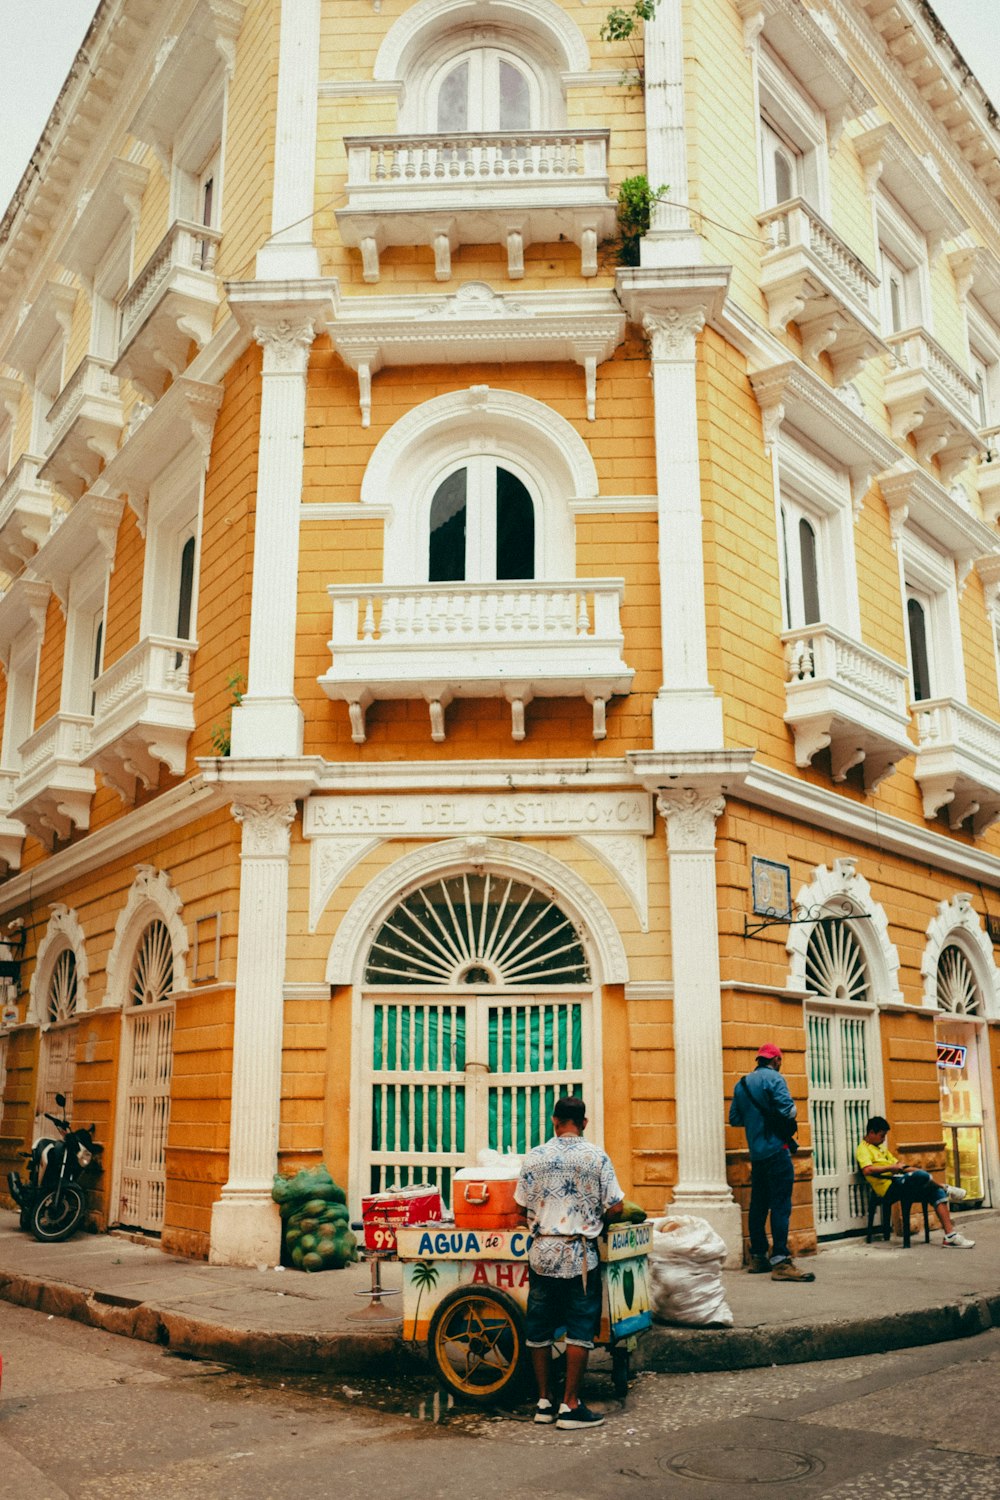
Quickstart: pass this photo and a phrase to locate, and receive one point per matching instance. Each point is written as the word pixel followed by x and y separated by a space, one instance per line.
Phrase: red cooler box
pixel 483 1198
pixel 383 1213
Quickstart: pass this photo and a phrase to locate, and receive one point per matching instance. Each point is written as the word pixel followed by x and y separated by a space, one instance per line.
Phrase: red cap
pixel 769 1050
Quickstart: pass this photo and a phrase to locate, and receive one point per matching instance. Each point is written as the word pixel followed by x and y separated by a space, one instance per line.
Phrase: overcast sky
pixel 41 38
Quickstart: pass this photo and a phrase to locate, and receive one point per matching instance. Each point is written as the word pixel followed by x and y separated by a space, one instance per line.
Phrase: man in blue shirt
pixel 761 1102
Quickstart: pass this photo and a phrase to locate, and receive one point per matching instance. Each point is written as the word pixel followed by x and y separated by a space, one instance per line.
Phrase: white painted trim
pixel 614 505
pixel 305 990
pixel 151 898
pixel 343 510
pixel 474 775
pixel 602 78
pixel 958 923
pixel 345 962
pixel 836 891
pixel 649 989
pixel 411 33
pixel 819 808
pixel 349 88
pixel 63 931
pixel 777 991
pixel 164 814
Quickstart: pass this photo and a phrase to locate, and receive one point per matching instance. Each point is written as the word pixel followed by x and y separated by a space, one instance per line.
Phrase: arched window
pixel 484 89
pixel 473 929
pixel 61 1000
pixel 957 990
pixel 153 967
pixel 482 526
pixel 920 664
pixel 835 965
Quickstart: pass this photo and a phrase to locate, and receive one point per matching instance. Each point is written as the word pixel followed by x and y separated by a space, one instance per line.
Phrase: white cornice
pixel 914 495
pixel 902 99
pixel 790 392
pixel 349 88
pixel 818 808
pixel 343 510
pixel 164 814
pixel 474 775
pixel 477 323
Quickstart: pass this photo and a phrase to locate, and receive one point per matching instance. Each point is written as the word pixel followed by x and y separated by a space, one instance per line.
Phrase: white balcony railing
pixel 54 790
pixel 486 640
pixel 25 513
pixel 930 398
pixel 143 714
pixel 11 831
pixel 843 696
pixel 811 278
pixel 474 187
pixel 958 763
pixel 172 302
pixel 988 474
pixel 84 425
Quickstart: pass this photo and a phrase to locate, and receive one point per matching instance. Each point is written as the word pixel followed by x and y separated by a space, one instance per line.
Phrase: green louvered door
pixel 451 1074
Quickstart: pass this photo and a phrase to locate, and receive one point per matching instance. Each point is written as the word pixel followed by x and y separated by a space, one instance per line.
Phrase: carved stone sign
pixel 551 814
pixel 343 829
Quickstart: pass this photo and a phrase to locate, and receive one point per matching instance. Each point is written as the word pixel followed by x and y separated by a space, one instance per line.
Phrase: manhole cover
pixel 739 1465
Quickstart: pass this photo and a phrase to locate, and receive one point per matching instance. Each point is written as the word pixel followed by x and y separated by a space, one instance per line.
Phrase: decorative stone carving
pixel 690 814
pixel 673 332
pixel 286 345
pixel 266 826
pixel 63 931
pixel 152 896
pixel 958 922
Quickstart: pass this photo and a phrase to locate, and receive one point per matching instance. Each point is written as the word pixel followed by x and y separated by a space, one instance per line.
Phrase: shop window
pixel 481 526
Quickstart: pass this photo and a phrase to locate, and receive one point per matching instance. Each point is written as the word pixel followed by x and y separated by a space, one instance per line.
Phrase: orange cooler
pixel 482 1200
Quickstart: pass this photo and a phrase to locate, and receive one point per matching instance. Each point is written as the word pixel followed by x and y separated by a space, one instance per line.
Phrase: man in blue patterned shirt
pixel 568 1189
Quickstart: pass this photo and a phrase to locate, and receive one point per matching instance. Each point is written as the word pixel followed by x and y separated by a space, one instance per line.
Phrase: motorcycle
pixel 53 1201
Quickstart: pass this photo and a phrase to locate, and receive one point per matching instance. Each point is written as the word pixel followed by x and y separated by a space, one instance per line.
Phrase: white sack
pixel 685 1260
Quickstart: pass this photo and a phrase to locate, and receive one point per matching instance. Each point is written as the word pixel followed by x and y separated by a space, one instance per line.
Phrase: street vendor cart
pixel 465 1292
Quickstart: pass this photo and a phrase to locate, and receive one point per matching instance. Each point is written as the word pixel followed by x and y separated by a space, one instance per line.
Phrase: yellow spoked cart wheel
pixel 476 1344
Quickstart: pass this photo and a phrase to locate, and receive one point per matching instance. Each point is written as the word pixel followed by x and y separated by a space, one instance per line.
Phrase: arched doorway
pixel 58 998
pixel 148 1068
pixel 839 1054
pixel 477 1012
pixel 957 1034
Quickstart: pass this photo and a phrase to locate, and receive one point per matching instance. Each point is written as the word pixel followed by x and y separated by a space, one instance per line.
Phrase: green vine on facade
pixel 624 24
pixel 635 209
pixel 221 736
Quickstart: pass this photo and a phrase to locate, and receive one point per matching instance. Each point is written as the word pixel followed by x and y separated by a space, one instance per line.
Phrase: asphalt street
pixel 85 1415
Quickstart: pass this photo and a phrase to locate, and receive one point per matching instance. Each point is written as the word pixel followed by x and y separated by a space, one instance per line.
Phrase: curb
pixel 663 1349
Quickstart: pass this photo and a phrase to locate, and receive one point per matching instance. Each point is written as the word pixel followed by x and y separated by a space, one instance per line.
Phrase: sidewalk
pixel 865 1298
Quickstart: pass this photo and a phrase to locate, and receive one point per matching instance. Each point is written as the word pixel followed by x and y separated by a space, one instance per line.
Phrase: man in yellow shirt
pixel 907 1185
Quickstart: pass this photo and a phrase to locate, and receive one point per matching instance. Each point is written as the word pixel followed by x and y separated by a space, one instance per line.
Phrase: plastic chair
pixel 875 1203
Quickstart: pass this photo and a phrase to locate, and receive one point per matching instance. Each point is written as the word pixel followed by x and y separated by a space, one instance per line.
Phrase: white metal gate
pixel 57 1072
pixel 149 1032
pixel 839 1059
pixel 446 1075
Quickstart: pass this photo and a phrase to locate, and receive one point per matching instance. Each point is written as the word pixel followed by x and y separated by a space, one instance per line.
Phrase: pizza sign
pixel 951 1056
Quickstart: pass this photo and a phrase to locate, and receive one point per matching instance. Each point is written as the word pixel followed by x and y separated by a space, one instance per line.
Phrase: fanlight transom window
pixel 153 969
pixel 482 526
pixel 473 929
pixel 957 990
pixel 835 964
pixel 62 993
pixel 484 89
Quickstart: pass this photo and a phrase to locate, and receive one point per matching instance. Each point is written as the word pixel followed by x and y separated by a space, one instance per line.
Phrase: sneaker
pixel 955 1194
pixel 545 1413
pixel 575 1418
pixel 956 1241
pixel 787 1270
pixel 759 1265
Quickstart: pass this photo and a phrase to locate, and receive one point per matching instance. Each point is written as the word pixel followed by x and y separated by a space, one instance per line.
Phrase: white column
pixel 690 813
pixel 290 251
pixel 686 713
pixel 284 320
pixel 671 240
pixel 246 1228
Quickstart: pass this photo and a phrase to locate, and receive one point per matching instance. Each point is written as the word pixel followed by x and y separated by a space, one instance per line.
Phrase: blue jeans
pixel 771 1181
pixel 915 1187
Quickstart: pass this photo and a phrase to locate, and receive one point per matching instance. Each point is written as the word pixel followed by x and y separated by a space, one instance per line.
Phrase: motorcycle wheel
pixel 52 1221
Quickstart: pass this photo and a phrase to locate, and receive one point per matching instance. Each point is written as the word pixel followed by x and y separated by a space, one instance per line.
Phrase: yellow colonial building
pixel 450 657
